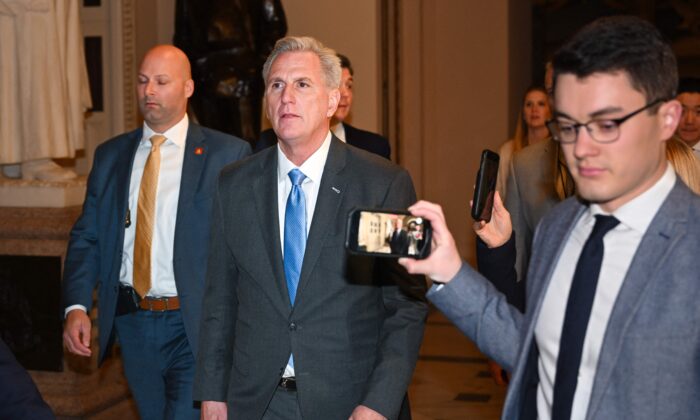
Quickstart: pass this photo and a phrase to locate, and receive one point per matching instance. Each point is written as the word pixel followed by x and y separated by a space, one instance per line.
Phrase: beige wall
pixel 351 28
pixel 456 96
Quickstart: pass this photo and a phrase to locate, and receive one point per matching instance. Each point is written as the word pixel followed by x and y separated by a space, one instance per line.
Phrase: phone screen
pixel 388 233
pixel 485 186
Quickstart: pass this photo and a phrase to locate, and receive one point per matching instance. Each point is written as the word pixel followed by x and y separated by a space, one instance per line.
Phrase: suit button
pixel 292 327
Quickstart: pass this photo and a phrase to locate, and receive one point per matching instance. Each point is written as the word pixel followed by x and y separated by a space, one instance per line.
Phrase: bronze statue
pixel 227 42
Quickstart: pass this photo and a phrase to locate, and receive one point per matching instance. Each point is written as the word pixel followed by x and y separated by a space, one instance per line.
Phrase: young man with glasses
pixel 612 326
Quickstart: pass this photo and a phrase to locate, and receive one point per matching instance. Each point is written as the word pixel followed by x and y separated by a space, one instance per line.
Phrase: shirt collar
pixel 339 131
pixel 638 213
pixel 312 167
pixel 176 134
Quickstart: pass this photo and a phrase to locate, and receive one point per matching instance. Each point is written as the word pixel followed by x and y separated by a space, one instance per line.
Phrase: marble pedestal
pixel 21 193
pixel 82 390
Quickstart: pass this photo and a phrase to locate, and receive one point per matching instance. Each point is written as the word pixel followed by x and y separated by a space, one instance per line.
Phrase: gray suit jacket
pixel 649 364
pixel 531 194
pixel 354 329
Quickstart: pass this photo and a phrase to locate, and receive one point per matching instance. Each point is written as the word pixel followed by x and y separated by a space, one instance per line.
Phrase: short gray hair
pixel 330 63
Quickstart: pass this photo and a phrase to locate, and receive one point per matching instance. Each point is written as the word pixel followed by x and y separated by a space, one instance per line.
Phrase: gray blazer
pixel 649 365
pixel 354 329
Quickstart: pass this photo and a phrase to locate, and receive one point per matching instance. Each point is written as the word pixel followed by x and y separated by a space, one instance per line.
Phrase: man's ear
pixel 333 100
pixel 670 116
pixel 189 88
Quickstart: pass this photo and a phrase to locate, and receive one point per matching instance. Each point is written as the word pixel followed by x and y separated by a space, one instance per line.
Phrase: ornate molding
pixel 128 62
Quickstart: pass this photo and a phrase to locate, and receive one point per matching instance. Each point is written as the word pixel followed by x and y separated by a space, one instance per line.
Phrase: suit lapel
pixel 192 166
pixel 123 168
pixel 666 229
pixel 119 186
pixel 540 275
pixel 264 188
pixel 330 195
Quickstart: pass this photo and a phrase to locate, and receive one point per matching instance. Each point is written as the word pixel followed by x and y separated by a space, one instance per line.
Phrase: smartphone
pixel 387 233
pixel 485 186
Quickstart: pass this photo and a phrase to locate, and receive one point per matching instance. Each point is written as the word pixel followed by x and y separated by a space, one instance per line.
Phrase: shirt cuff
pixel 70 308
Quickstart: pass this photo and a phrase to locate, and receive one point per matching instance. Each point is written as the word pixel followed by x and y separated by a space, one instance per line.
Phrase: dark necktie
pixel 578 311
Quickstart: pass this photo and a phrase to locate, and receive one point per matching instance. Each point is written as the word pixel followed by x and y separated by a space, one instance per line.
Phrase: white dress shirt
pixel 313 169
pixel 621 244
pixel 172 153
pixel 339 131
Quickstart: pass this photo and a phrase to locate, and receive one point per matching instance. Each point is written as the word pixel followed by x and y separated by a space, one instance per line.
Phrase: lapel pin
pixel 198 150
pixel 337 191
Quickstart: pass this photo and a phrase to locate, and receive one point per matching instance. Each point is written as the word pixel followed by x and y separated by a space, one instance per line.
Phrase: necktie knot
pixel 603 225
pixel 156 141
pixel 296 176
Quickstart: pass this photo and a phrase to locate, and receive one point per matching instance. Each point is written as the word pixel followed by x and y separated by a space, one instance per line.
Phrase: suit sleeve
pixel 82 264
pixel 218 314
pixel 402 330
pixel 19 398
pixel 482 313
pixel 498 266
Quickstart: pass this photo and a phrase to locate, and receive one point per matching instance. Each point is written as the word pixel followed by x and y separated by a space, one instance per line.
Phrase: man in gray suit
pixel 624 342
pixel 293 327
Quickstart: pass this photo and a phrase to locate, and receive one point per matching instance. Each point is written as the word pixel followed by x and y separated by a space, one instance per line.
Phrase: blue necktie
pixel 294 233
pixel 578 311
pixel 294 236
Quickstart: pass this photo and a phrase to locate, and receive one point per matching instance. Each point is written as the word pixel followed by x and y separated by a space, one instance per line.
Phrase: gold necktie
pixel 145 218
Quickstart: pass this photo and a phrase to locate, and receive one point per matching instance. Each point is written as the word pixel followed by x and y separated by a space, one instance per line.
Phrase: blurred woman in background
pixel 530 129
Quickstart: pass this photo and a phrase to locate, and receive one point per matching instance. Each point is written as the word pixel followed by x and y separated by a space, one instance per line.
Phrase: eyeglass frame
pixel 618 122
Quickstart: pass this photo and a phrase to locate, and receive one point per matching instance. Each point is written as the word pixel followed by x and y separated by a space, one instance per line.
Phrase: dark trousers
pixel 158 363
pixel 283 406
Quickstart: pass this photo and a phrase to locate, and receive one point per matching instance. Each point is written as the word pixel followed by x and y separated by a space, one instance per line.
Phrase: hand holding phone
pixel 482 203
pixel 387 233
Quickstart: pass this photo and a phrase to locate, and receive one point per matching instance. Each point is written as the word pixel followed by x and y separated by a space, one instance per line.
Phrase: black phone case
pixel 485 186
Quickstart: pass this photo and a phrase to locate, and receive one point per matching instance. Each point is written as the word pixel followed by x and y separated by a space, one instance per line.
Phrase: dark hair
pixel 346 64
pixel 689 85
pixel 622 44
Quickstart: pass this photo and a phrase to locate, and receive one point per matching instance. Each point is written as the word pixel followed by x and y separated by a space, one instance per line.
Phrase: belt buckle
pixel 150 304
pixel 288 384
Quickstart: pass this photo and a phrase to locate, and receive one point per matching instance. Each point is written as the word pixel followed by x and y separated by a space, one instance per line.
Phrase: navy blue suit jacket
pixel 19 398
pixel 365 140
pixel 96 241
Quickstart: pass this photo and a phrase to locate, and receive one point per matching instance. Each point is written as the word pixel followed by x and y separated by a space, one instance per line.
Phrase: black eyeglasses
pixel 600 130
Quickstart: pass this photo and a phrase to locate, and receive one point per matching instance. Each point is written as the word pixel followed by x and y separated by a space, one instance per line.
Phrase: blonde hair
pixel 685 163
pixel 520 139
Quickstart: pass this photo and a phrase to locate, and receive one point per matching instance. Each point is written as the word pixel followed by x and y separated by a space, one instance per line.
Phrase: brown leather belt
pixel 288 384
pixel 160 304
